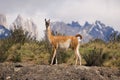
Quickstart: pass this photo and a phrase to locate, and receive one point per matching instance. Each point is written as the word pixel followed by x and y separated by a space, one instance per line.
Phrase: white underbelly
pixel 65 45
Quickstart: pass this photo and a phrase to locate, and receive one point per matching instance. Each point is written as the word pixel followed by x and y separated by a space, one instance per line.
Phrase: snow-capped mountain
pixel 4 32
pixel 19 22
pixel 26 24
pixel 88 31
pixel 101 31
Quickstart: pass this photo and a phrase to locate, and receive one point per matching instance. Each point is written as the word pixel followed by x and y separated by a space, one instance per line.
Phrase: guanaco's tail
pixel 78 35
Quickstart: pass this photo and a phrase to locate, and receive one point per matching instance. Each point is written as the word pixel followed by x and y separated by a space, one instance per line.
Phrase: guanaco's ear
pixel 45 19
pixel 49 20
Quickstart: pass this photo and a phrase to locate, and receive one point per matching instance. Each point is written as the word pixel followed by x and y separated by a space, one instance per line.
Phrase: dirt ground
pixel 20 71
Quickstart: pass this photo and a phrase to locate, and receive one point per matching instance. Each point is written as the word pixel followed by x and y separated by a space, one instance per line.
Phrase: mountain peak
pixel 86 23
pixel 26 24
pixel 99 23
pixel 19 17
pixel 74 24
pixel 19 21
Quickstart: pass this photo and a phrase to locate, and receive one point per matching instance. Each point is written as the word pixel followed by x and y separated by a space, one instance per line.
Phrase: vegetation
pixel 95 57
pixel 17 37
pixel 109 53
pixel 20 47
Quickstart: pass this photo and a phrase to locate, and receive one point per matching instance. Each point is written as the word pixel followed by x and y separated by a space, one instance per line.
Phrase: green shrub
pixel 5 44
pixel 95 57
pixel 17 36
pixel 64 56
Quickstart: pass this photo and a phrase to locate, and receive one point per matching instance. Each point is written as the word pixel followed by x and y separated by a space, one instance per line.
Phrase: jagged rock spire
pixel 3 20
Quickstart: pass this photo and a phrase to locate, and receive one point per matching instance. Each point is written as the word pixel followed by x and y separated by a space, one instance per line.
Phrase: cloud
pixel 27 6
pixel 66 10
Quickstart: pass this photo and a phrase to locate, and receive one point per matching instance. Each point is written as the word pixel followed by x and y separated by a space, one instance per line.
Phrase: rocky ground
pixel 20 71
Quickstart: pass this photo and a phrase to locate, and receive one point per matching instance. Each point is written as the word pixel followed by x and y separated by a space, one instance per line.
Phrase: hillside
pixel 19 71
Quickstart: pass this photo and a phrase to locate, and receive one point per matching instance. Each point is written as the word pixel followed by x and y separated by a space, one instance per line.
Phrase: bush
pixel 5 44
pixel 95 57
pixel 65 56
pixel 17 36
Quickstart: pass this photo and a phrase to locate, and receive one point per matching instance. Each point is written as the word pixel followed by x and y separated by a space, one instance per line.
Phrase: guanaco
pixel 64 42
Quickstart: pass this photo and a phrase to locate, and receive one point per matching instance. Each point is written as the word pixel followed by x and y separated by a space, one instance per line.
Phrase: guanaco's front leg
pixel 54 54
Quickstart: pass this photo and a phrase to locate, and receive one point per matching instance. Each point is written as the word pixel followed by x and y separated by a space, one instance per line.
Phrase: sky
pixel 107 11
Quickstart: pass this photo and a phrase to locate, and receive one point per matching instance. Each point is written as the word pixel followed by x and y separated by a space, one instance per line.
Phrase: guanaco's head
pixel 47 24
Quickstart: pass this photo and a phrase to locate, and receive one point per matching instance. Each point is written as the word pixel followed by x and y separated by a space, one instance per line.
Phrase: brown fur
pixel 56 41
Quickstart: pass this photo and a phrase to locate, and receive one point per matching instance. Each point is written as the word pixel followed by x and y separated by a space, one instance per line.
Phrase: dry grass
pixel 24 49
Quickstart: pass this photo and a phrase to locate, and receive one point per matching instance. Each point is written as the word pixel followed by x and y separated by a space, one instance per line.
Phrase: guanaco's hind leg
pixel 76 58
pixel 77 54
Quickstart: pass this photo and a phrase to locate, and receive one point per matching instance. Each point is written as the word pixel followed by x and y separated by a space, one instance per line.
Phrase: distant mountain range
pixel 97 30
pixel 88 31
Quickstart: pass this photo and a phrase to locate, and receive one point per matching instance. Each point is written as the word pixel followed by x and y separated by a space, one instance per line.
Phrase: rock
pixel 3 20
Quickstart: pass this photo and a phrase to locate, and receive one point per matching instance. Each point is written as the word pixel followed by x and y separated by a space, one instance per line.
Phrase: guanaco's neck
pixel 49 34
